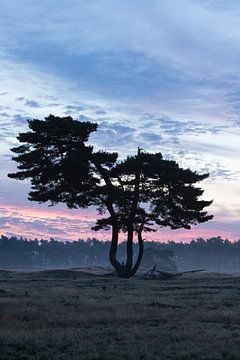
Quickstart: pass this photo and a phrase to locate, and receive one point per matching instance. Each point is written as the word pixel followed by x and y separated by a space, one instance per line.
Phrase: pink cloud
pixel 64 224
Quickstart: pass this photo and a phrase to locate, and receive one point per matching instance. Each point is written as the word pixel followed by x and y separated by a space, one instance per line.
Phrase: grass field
pixel 68 315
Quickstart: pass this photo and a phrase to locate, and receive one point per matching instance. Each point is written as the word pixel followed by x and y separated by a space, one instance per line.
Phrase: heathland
pixel 68 314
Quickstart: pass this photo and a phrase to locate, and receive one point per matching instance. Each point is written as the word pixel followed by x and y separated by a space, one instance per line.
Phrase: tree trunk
pixel 129 262
pixel 113 250
pixel 125 270
pixel 140 253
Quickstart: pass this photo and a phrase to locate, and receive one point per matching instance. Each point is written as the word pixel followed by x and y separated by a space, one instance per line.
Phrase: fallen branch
pixel 163 275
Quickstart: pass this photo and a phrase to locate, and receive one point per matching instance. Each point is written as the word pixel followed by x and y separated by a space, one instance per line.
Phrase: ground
pixel 70 315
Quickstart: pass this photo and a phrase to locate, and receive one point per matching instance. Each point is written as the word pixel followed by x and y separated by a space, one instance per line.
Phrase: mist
pixel 213 255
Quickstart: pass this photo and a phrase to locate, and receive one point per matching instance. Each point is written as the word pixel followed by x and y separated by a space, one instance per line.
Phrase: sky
pixel 162 75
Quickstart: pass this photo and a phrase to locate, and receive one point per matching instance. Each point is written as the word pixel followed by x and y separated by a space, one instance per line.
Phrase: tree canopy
pixel 140 193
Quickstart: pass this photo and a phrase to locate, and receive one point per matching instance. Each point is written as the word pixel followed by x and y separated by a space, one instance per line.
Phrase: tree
pixel 137 193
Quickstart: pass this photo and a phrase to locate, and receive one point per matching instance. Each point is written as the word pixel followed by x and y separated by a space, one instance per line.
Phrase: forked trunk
pixel 125 270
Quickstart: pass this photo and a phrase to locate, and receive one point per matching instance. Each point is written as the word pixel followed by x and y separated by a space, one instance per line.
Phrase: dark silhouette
pixel 214 254
pixel 23 254
pixel 153 274
pixel 137 192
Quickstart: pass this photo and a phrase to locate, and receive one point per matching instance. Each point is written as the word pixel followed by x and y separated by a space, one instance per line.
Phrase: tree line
pixel 214 254
pixel 20 253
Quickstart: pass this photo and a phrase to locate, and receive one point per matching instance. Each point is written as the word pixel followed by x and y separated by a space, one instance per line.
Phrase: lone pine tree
pixel 137 193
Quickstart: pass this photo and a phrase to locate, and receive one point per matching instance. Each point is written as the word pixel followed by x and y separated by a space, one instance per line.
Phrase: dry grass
pixel 68 315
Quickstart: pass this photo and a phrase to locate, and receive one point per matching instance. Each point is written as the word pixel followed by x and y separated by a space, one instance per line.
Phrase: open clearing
pixel 70 315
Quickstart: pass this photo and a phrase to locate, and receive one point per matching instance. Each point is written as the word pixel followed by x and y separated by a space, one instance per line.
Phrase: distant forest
pixel 214 254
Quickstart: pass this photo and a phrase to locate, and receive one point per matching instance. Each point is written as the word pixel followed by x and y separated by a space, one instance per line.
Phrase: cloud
pixel 32 103
pixel 69 224
pixel 19 119
pixel 179 63
pixel 101 112
pixel 38 222
pixel 116 136
pixel 72 109
pixel 119 128
pixel 151 137
pixel 176 127
pixel 146 76
pixel 84 118
pixel 5 114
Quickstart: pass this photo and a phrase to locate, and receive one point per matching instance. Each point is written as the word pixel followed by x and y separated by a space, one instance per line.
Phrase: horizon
pixel 122 241
pixel 164 77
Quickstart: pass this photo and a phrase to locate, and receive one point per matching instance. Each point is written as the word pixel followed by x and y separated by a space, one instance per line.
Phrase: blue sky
pixel 161 75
